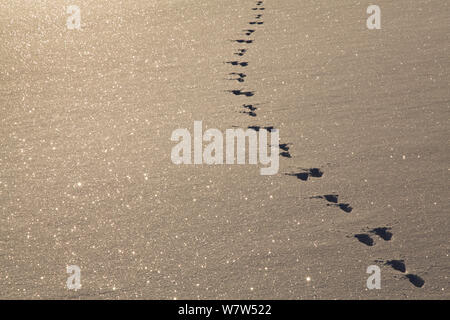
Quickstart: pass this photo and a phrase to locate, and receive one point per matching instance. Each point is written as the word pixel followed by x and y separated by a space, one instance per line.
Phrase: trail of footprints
pixel 305 174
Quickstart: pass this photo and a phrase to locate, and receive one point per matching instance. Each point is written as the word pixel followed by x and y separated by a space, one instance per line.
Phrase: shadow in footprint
pixel 250 113
pixel 398 265
pixel 315 172
pixel 285 146
pixel 243 41
pixel 250 110
pixel 415 280
pixel 334 199
pixel 383 233
pixel 344 207
pixel 365 238
pixel 257 128
pixel 242 93
pixel 312 172
pixel 241 52
pixel 300 175
pixel 249 107
pixel 329 197
pixel 237 63
pixel 285 150
pixel 240 76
